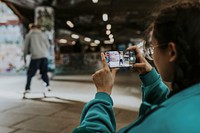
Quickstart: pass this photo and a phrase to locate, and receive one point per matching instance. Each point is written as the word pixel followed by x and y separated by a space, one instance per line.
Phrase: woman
pixel 176 53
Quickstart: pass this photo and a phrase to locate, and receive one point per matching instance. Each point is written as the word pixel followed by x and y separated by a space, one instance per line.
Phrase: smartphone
pixel 120 59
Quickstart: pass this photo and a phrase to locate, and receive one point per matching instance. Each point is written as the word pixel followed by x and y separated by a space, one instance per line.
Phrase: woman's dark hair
pixel 180 23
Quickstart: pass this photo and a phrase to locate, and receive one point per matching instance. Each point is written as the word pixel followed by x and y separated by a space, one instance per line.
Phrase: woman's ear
pixel 172 51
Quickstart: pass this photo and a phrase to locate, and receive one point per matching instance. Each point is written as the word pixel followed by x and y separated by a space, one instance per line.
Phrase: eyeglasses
pixel 149 50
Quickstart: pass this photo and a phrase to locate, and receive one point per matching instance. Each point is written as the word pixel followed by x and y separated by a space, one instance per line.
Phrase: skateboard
pixel 34 93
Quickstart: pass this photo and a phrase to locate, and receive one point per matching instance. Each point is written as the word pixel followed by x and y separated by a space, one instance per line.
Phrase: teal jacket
pixel 158 114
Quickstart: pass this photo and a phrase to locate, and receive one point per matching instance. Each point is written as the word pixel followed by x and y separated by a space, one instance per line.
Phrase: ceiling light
pixel 62 41
pixel 93 44
pixel 111 36
pixel 138 32
pixel 112 40
pixel 87 39
pixel 105 17
pixel 108 26
pixel 75 36
pixel 108 32
pixel 95 1
pixel 97 41
pixel 70 24
pixel 73 42
pixel 108 42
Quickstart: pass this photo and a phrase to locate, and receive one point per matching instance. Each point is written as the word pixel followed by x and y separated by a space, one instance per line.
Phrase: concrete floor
pixel 60 111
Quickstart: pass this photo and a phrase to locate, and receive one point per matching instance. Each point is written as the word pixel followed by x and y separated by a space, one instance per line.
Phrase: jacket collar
pixel 187 92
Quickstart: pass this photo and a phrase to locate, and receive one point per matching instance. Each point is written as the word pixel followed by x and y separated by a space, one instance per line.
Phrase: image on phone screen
pixel 120 59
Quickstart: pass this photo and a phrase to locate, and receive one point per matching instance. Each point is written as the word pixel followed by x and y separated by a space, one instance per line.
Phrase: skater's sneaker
pixel 47 88
pixel 27 91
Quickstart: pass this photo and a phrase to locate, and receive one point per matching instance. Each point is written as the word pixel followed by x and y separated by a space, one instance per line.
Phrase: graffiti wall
pixel 11 59
pixel 11 41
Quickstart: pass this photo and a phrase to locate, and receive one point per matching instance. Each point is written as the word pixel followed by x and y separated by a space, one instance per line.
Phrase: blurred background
pixel 78 30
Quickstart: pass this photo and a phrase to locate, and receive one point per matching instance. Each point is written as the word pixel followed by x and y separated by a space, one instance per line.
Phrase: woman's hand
pixel 142 65
pixel 104 78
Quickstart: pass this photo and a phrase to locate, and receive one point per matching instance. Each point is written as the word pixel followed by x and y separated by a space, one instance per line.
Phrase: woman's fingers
pixel 105 64
pixel 142 68
pixel 142 65
pixel 139 65
pixel 114 71
pixel 139 54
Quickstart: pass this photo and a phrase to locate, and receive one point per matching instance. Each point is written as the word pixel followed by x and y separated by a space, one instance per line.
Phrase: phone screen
pixel 120 59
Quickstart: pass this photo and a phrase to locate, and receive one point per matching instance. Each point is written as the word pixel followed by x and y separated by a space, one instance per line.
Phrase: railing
pixel 76 63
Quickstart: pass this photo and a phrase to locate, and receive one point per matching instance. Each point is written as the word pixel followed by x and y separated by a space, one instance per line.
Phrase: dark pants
pixel 35 64
pixel 120 61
